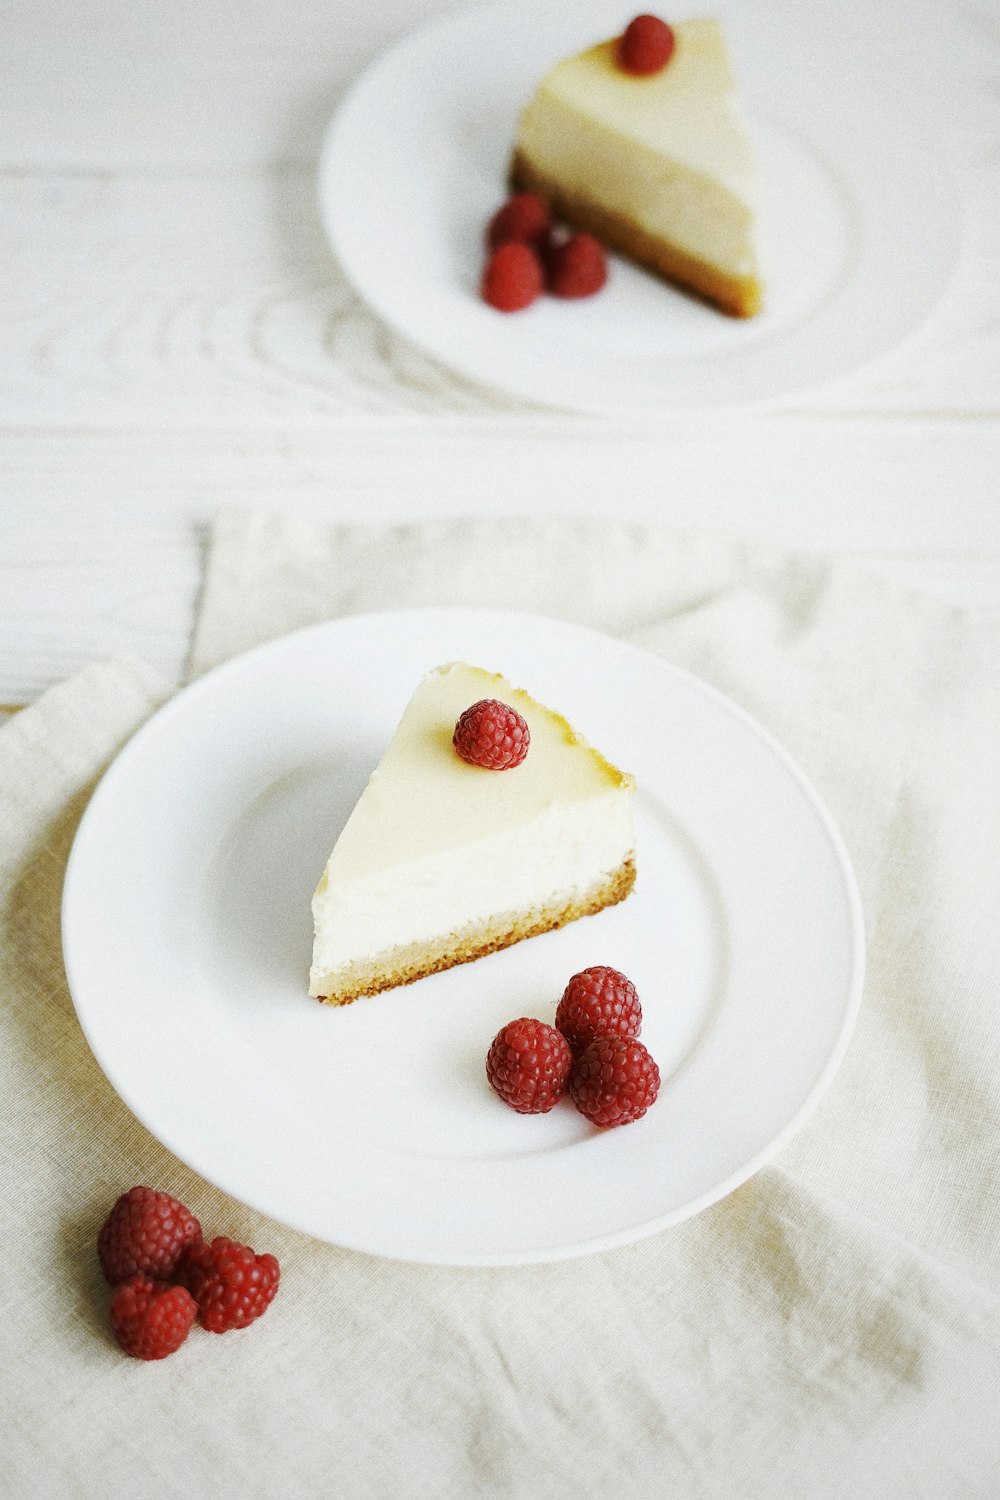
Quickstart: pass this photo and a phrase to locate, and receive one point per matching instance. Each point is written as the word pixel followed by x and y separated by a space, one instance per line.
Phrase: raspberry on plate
pixel 145 1231
pixel 528 1064
pixel 525 217
pixel 512 278
pixel 645 46
pixel 491 734
pixel 575 267
pixel 231 1285
pixel 599 1001
pixel 150 1318
pixel 615 1081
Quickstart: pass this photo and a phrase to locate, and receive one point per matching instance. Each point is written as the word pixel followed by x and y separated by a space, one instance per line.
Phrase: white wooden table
pixel 175 336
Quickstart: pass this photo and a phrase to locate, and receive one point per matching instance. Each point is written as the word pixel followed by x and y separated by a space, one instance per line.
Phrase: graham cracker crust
pixel 738 296
pixel 412 961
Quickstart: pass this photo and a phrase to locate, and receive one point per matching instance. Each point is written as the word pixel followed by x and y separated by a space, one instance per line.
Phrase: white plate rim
pixel 76 873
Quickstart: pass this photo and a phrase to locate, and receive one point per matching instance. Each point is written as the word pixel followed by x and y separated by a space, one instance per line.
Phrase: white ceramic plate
pixel 187 936
pixel 861 222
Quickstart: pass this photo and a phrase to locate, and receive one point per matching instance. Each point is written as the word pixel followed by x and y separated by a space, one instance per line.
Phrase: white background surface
pixel 174 335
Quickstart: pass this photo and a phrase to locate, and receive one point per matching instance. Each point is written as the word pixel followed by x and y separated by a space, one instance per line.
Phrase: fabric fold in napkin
pixel 831 1328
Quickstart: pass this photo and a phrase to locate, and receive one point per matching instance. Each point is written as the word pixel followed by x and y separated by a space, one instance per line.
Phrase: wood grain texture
pixel 175 335
pixel 172 299
pixel 101 548
pixel 225 85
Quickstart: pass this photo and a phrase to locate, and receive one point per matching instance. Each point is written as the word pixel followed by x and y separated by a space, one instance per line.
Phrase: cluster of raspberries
pixel 528 253
pixel 592 1052
pixel 165 1275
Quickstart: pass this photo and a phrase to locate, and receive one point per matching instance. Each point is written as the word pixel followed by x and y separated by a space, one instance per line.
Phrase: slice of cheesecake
pixel 658 167
pixel 442 861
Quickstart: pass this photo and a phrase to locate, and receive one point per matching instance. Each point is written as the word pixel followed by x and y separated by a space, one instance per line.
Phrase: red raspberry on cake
pixel 615 1081
pixel 512 278
pixel 575 267
pixel 145 1231
pixel 231 1285
pixel 645 46
pixel 151 1318
pixel 525 217
pixel 599 1001
pixel 491 734
pixel 528 1064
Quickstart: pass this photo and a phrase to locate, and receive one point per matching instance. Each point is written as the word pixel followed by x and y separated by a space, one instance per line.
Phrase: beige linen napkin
pixel 831 1328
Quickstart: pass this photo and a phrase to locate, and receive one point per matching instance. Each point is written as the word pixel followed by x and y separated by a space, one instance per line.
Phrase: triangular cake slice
pixel 441 861
pixel 658 167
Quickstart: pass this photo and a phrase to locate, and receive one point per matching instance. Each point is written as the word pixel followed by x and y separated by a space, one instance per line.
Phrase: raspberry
pixel 599 1001
pixel 512 278
pixel 615 1081
pixel 645 46
pixel 576 267
pixel 524 217
pixel 231 1285
pixel 491 734
pixel 151 1318
pixel 145 1231
pixel 528 1064
pixel 548 245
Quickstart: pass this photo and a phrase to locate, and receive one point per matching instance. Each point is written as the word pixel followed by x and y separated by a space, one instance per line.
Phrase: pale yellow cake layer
pixel 424 800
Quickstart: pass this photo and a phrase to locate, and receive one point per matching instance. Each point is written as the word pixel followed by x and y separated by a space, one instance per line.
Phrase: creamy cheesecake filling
pixel 422 800
pixel 405 962
pixel 569 849
pixel 658 193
